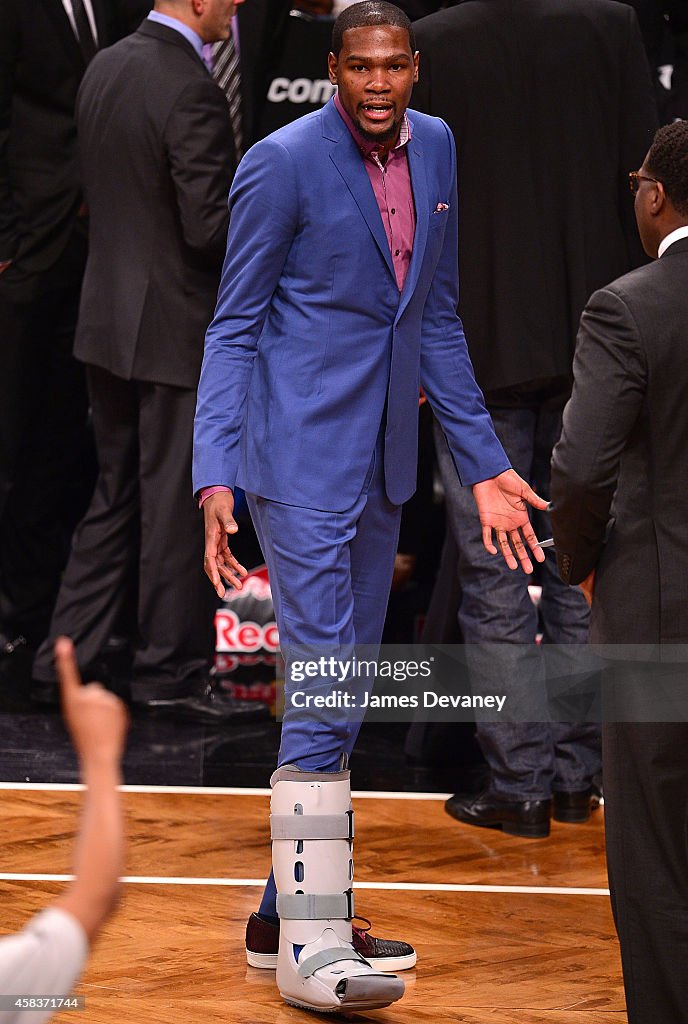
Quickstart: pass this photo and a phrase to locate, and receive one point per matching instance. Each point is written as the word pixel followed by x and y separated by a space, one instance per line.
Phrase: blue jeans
pixel 527 760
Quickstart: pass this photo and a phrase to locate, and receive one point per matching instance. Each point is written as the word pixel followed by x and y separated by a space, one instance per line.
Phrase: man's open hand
pixel 503 507
pixel 219 562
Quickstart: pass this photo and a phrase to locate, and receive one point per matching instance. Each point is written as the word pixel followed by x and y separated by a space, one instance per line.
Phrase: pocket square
pixel 441 207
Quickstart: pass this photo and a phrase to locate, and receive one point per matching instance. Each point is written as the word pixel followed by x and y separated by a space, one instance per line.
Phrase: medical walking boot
pixel 312 856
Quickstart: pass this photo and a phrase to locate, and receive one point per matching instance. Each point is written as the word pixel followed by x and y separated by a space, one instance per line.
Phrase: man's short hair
pixel 370 12
pixel 668 161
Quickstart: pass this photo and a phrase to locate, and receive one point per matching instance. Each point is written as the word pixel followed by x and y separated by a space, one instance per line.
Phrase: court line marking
pixel 534 890
pixel 77 787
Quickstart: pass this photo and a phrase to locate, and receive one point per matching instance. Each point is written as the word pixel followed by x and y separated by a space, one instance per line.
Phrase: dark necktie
pixel 83 31
pixel 228 76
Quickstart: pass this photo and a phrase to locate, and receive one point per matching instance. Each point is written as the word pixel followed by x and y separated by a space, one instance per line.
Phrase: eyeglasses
pixel 634 179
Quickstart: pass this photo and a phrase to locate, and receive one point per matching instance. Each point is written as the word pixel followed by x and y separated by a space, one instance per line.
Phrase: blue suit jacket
pixel 312 343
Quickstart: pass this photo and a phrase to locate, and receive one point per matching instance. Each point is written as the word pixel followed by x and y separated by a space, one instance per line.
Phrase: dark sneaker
pixel 389 955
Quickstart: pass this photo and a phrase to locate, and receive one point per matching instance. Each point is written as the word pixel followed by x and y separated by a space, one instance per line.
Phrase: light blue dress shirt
pixel 179 26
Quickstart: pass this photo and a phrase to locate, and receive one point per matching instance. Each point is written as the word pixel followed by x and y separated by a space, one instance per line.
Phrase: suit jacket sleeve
pixel 610 374
pixel 446 369
pixel 10 217
pixel 199 145
pixel 263 221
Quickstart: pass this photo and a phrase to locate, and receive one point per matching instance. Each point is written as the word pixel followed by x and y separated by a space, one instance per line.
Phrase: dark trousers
pixel 646 819
pixel 47 464
pixel 142 523
pixel 499 622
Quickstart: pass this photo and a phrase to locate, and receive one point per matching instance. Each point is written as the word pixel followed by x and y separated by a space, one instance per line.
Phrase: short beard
pixel 391 132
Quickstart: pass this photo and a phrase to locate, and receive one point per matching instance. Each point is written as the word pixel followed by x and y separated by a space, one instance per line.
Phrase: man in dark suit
pixel 620 510
pixel 259 28
pixel 157 155
pixel 45 46
pixel 549 104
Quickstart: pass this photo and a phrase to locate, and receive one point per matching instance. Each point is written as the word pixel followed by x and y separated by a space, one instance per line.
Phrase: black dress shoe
pixel 577 807
pixel 205 704
pixel 528 818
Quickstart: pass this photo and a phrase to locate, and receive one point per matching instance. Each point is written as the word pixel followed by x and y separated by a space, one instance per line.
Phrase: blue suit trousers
pixel 330 574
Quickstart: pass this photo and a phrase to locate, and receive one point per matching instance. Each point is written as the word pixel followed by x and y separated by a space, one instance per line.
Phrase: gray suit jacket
pixel 619 472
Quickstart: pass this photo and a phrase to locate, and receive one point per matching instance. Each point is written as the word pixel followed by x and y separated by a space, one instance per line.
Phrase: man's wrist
pixel 206 492
pixel 101 770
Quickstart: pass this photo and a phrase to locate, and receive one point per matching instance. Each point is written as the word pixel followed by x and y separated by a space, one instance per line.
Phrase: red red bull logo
pixel 236 635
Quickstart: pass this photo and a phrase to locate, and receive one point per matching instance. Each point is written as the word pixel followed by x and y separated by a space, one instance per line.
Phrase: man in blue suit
pixel 338 300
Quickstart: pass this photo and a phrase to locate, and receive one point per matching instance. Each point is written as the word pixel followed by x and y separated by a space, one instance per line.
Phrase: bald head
pixel 210 19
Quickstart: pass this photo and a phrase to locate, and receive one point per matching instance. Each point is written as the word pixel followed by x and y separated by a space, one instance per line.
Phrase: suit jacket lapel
pixel 419 185
pixel 349 163
pixel 64 31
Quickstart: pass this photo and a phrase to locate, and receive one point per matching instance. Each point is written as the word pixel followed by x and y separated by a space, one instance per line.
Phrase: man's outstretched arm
pixel 97 722
pixel 48 955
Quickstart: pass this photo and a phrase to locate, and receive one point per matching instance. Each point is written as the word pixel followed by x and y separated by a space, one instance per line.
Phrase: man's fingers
pixel 211 571
pixel 532 498
pixel 231 578
pixel 521 552
pixel 231 570
pixel 487 540
pixel 227 558
pixel 229 574
pixel 505 548
pixel 67 669
pixel 533 543
pixel 230 526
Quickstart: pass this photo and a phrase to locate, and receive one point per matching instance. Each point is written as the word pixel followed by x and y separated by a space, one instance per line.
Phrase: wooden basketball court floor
pixel 508 930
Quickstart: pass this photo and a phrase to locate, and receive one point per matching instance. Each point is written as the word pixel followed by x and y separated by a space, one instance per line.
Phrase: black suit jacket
pixel 157 156
pixel 41 67
pixel 261 26
pixel 620 501
pixel 551 105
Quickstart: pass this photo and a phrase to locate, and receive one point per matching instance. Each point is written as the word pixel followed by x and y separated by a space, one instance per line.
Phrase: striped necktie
pixel 83 31
pixel 228 76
